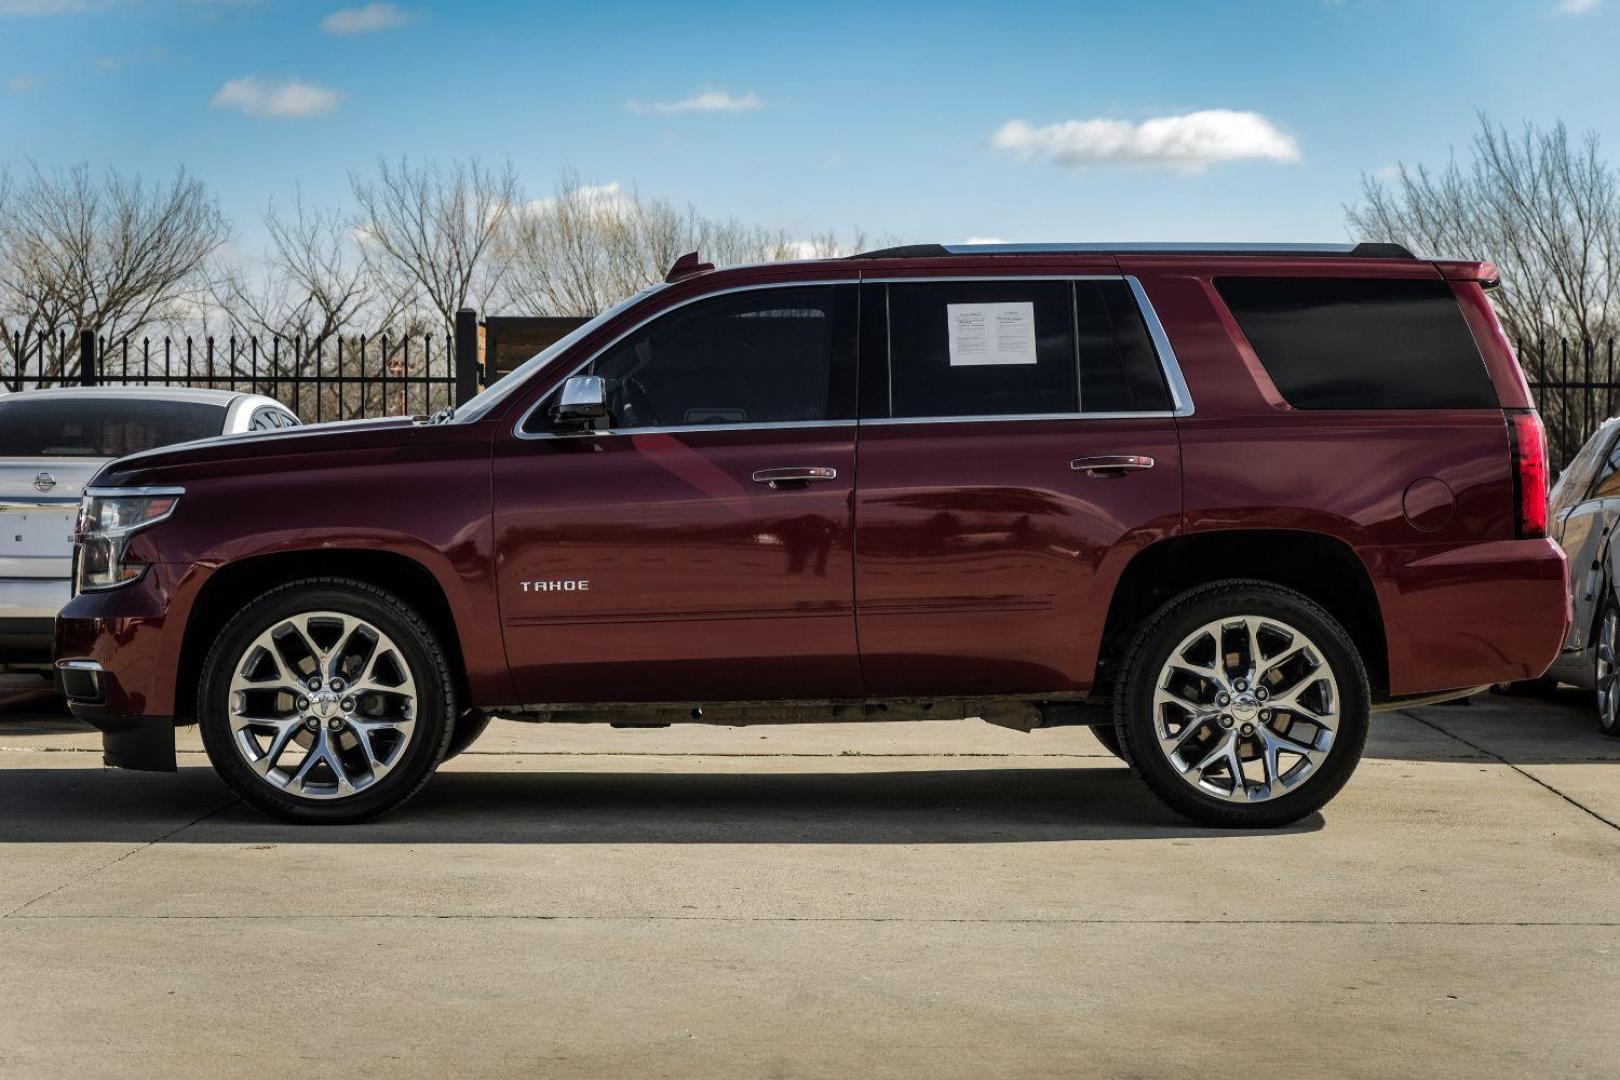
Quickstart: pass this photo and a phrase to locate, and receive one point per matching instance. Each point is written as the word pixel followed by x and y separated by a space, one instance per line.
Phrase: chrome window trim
pixel 1001 418
pixel 785 425
pixel 1151 248
pixel 1180 398
pixel 1181 402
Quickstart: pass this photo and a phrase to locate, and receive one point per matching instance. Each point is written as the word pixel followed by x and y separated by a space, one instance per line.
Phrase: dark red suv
pixel 1216 503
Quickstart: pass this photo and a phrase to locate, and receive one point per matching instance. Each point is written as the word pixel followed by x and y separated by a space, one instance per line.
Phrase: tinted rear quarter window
pixel 1359 343
pixel 100 427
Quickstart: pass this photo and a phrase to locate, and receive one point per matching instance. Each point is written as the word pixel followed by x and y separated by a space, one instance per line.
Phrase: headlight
pixel 107 519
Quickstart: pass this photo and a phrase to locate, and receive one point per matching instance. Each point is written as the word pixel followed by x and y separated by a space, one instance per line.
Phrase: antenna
pixel 688 265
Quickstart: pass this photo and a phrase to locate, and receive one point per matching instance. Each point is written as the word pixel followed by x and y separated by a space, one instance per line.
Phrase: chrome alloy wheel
pixel 322 705
pixel 1608 693
pixel 1246 708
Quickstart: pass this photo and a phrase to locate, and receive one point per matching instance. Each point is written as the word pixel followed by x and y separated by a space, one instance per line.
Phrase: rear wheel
pixel 326 701
pixel 1606 675
pixel 1244 704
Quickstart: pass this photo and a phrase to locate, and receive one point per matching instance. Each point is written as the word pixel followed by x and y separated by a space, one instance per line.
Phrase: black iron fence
pixel 1575 389
pixel 349 377
pixel 339 377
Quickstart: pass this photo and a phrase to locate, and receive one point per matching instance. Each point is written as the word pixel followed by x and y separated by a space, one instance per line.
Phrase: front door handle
pixel 1111 464
pixel 794 477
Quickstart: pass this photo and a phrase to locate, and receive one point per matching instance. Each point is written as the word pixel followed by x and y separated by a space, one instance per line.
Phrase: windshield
pixel 92 426
pixel 480 406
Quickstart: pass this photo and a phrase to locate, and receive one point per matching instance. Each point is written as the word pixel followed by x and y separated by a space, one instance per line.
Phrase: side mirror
pixel 583 399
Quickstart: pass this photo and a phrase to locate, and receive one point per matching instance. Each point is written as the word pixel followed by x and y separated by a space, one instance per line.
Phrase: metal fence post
pixel 87 358
pixel 466 355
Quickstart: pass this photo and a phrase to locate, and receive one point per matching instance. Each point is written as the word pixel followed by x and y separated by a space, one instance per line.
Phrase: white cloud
pixel 1189 142
pixel 365 20
pixel 608 200
pixel 703 101
pixel 277 99
pixel 21 84
pixel 1578 7
pixel 984 240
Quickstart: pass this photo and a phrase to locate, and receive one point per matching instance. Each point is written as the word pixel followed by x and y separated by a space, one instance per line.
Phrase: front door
pixel 698 548
pixel 1023 447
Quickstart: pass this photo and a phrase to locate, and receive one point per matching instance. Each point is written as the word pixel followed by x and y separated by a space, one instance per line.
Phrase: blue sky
pixel 1244 120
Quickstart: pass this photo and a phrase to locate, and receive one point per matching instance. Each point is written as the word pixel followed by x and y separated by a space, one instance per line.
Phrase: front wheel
pixel 326 701
pixel 1243 704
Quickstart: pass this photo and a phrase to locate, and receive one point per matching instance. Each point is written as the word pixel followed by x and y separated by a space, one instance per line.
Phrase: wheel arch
pixel 1320 566
pixel 238 583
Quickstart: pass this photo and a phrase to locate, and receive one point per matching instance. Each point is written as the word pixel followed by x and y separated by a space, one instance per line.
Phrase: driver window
pixel 760 356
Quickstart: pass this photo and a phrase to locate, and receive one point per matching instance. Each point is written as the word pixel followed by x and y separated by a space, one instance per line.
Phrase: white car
pixel 51 443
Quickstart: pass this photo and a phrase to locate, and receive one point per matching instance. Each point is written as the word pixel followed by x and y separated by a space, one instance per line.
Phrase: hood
pixel 257 451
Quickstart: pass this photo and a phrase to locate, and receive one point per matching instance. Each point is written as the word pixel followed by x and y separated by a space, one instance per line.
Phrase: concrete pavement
pixel 943 900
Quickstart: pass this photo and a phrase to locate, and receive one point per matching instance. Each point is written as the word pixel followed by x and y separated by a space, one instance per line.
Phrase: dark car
pixel 1218 504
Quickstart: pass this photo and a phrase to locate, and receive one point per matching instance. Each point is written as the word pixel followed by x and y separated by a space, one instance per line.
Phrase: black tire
pixel 1150 650
pixel 435 691
pixel 1108 735
pixel 468 729
pixel 1607 685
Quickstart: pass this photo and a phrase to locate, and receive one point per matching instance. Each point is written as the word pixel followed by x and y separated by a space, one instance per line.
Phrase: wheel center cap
pixel 1245 706
pixel 324 703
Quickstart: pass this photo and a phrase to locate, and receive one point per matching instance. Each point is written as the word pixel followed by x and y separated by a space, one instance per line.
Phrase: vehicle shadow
pixel 464 806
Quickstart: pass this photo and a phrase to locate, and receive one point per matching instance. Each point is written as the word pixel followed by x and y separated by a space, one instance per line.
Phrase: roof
pixel 146 393
pixel 1342 251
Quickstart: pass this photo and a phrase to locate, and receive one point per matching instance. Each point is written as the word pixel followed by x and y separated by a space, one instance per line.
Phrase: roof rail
pixel 939 251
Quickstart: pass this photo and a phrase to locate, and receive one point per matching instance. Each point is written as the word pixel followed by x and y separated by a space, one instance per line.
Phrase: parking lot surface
pixel 939 900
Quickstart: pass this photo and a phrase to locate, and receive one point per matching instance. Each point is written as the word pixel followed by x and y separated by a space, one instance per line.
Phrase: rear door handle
pixel 794 476
pixel 1111 464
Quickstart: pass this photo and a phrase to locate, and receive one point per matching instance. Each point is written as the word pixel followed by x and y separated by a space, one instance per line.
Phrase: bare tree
pixel 112 254
pixel 298 312
pixel 1543 207
pixel 587 247
pixel 314 281
pixel 429 232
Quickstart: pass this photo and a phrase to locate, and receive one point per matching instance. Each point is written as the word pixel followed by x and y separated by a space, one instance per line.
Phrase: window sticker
pixel 982 335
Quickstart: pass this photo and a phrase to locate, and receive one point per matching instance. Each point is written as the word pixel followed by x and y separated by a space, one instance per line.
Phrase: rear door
pixel 1022 446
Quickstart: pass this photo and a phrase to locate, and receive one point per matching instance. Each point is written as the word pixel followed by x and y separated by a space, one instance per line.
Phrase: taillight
pixel 1529 441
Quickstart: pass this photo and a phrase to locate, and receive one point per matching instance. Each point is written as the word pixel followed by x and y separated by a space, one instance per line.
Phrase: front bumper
pixel 1470 615
pixel 130 640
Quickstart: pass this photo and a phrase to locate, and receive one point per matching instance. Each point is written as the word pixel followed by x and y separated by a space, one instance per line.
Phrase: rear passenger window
pixel 1019 348
pixel 1349 343
pixel 1119 371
